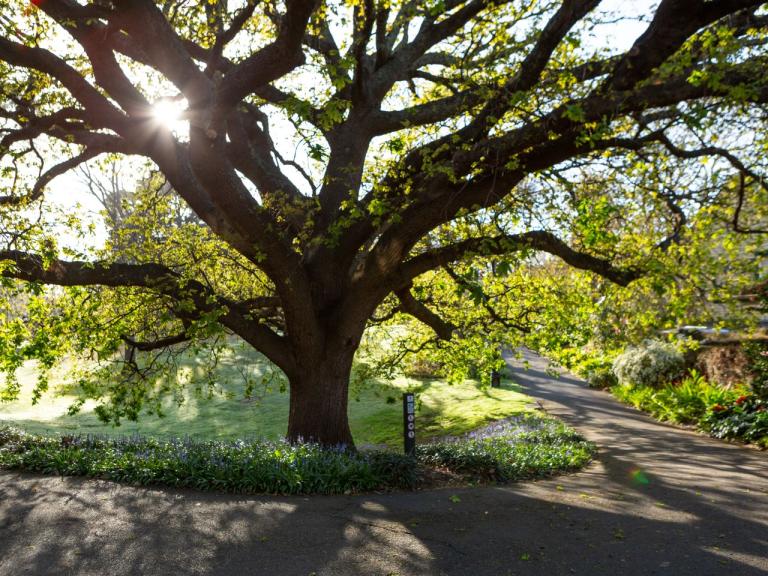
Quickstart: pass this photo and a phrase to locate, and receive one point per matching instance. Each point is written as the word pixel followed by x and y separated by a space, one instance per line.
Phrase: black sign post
pixel 409 423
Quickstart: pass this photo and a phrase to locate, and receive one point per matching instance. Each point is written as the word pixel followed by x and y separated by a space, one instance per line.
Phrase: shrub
pixel 726 364
pixel 757 355
pixel 597 371
pixel 721 412
pixel 649 365
pixel 688 401
pixel 638 396
pixel 684 402
pixel 745 418
pixel 601 378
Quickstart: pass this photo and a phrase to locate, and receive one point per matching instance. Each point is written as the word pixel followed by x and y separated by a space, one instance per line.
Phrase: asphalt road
pixel 659 500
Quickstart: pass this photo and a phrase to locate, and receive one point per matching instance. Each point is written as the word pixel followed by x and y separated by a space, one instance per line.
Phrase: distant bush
pixel 725 364
pixel 423 368
pixel 651 364
pixel 598 372
pixel 571 358
pixel 601 378
pixel 511 450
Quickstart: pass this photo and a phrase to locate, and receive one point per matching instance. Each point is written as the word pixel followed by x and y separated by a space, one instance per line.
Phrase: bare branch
pixel 229 34
pixel 740 206
pixel 46 177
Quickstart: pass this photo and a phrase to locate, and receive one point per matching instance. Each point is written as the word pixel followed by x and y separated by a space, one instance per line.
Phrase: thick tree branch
pixel 410 305
pixel 156 277
pixel 673 23
pixel 97 109
pixel 569 13
pixel 535 240
pixel 159 344
pixel 95 40
pixel 272 61
pixel 147 25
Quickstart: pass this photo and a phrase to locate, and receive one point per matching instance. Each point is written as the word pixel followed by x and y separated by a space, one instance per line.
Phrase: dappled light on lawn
pixel 443 409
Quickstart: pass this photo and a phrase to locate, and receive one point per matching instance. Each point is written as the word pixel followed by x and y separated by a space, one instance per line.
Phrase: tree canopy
pixel 335 164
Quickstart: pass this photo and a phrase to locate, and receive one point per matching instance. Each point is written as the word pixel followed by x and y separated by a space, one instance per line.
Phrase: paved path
pixel 659 501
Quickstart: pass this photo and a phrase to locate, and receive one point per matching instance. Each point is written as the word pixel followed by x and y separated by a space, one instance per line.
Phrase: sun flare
pixel 170 113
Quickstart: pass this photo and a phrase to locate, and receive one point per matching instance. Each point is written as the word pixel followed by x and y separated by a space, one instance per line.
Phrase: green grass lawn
pixel 443 409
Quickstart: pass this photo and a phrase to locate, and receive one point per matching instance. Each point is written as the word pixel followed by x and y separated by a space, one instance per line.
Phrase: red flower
pixel 741 399
pixel 718 408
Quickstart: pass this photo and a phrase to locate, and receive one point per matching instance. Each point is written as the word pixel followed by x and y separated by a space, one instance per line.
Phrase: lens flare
pixel 170 113
pixel 638 476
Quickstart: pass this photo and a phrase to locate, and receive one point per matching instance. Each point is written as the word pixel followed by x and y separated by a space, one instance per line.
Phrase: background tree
pixel 339 152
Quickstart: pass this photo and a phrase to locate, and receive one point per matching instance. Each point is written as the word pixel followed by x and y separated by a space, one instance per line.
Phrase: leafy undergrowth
pixel 734 414
pixel 685 402
pixel 519 448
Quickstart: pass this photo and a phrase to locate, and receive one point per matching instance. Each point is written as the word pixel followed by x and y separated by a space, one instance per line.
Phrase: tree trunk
pixel 318 405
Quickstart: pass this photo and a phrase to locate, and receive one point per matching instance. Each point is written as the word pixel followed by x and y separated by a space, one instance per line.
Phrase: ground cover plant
pixel 745 418
pixel 525 447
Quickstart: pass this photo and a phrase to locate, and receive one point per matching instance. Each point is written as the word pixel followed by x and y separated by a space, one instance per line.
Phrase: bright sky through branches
pixel 170 113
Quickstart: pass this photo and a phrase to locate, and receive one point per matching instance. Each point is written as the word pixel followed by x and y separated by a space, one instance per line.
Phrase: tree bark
pixel 318 404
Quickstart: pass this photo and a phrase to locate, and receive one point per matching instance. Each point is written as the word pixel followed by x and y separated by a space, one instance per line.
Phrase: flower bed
pixel 746 418
pixel 516 449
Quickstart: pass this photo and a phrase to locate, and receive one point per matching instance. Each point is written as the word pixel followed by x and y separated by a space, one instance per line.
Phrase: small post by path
pixel 495 379
pixel 409 423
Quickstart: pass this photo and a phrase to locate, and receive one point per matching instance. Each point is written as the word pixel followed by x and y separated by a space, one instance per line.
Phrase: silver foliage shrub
pixel 651 364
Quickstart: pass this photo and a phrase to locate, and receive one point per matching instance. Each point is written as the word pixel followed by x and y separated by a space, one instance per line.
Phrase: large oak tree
pixel 423 133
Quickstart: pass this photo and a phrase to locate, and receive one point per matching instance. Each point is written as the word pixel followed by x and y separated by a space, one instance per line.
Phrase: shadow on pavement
pixel 658 500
